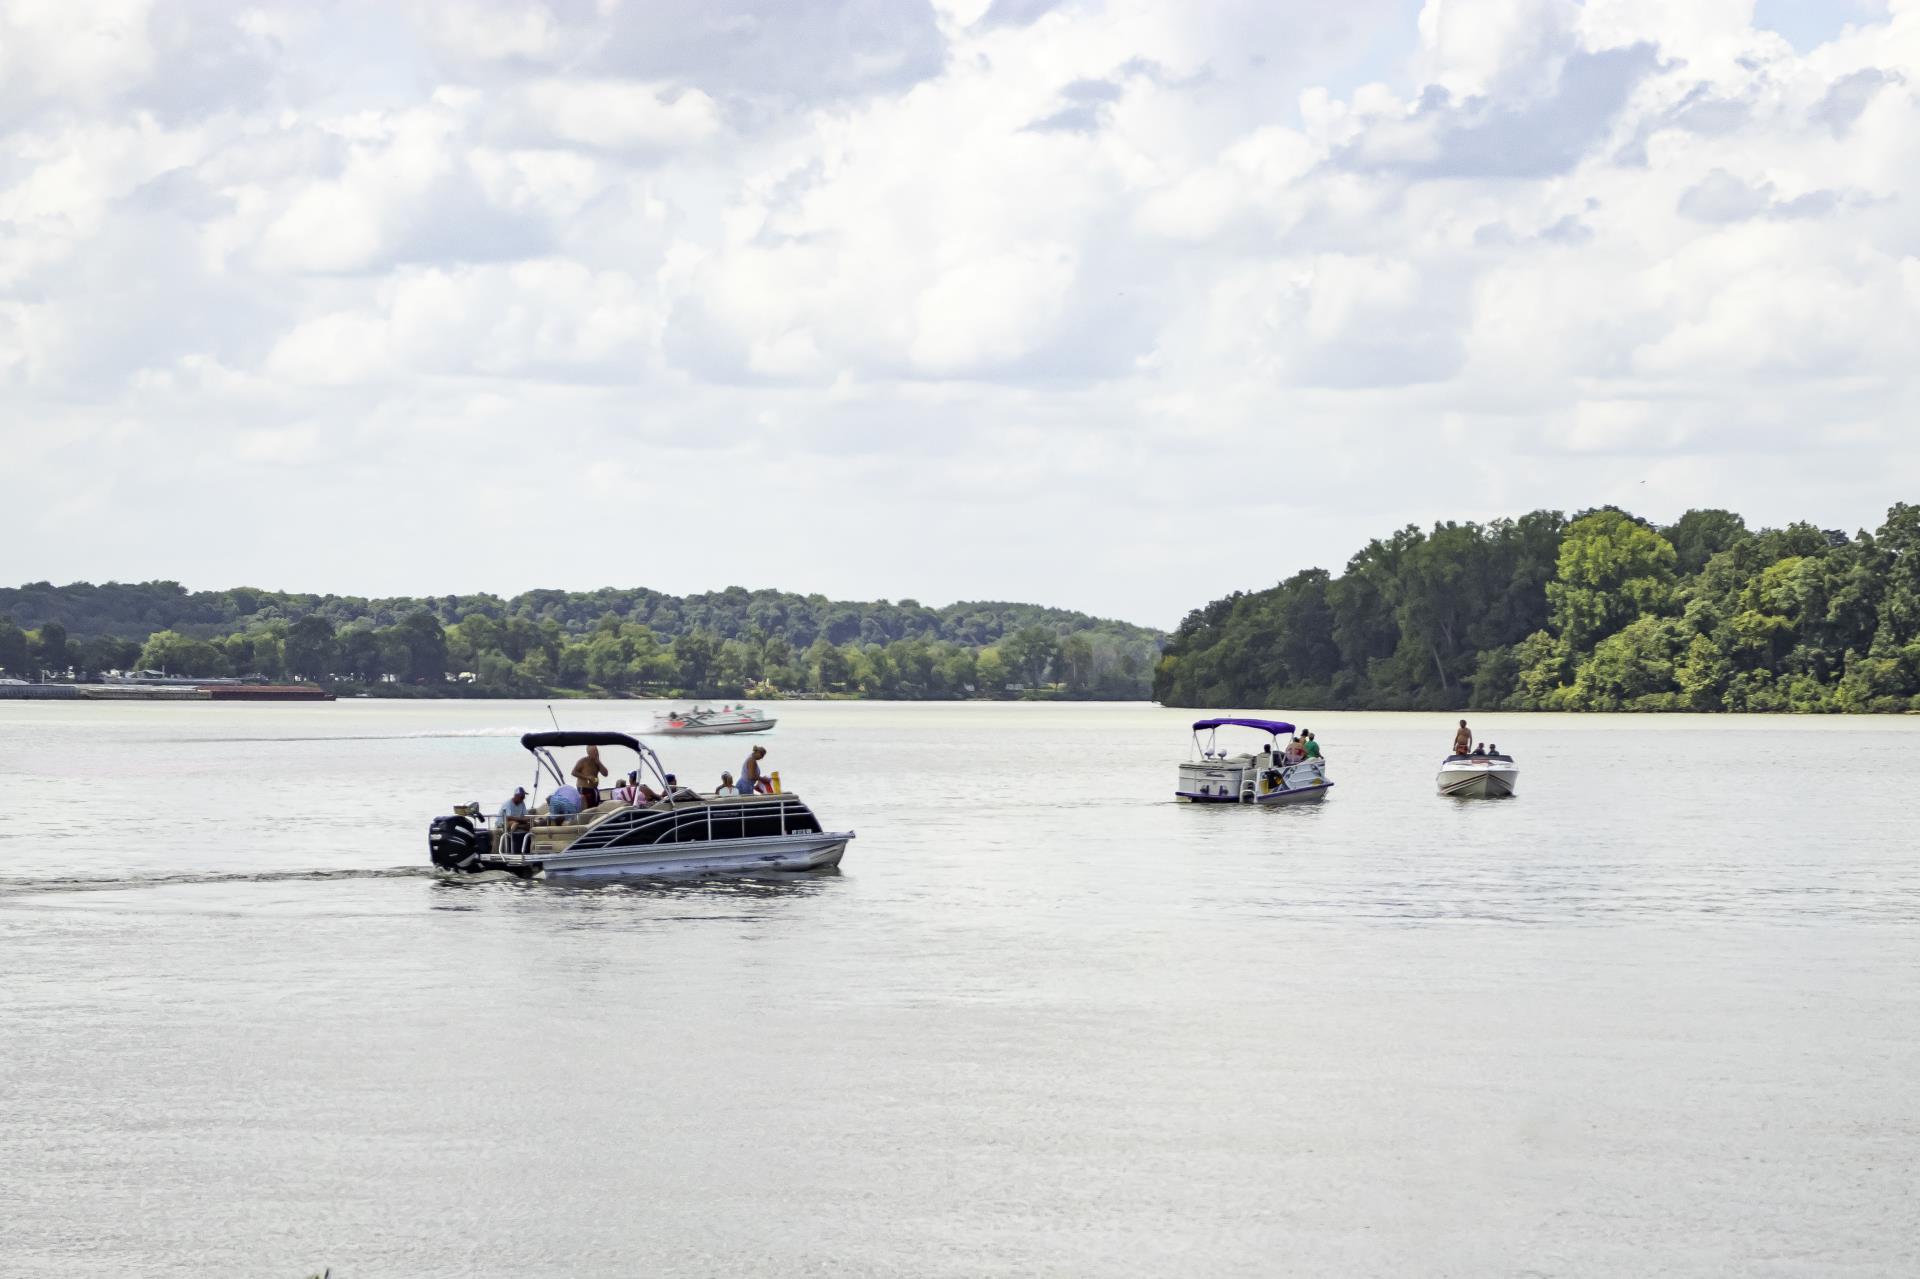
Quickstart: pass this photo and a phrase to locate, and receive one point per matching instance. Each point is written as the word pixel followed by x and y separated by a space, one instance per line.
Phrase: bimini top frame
pixel 541 746
pixel 1207 750
pixel 1274 726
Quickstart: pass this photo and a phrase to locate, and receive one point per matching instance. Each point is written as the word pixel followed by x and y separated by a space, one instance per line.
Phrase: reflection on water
pixel 1042 1020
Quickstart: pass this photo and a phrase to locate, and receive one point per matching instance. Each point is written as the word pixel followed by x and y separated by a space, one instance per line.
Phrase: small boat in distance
pixel 678 833
pixel 708 722
pixel 1217 775
pixel 1483 775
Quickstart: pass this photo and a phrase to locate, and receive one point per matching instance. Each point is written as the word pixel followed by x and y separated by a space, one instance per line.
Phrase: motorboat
pixel 1218 774
pixel 677 834
pixel 708 722
pixel 1484 775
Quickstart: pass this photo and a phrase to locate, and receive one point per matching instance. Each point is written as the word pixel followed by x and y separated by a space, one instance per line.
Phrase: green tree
pixel 98 656
pixel 176 654
pixel 50 648
pixel 310 650
pixel 1612 568
pixel 1031 654
pixel 16 652
pixel 991 672
pixel 1699 535
pixel 695 655
pixel 421 648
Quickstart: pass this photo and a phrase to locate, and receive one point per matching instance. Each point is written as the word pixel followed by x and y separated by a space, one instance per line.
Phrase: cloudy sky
pixel 1117 305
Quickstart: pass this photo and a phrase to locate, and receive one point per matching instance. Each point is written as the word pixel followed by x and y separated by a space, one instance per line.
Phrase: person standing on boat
pixel 586 776
pixel 751 782
pixel 1463 740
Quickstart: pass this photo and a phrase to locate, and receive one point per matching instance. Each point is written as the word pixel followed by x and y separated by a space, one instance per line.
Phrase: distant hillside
pixel 1605 612
pixel 615 640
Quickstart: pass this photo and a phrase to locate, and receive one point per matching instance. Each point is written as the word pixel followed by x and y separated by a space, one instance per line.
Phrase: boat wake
pixel 342 737
pixel 16 886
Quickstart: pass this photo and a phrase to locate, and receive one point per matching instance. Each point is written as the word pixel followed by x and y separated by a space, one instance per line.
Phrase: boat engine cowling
pixel 454 844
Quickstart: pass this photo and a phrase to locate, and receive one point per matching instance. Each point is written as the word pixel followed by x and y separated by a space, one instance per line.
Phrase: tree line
pixel 1606 611
pixel 616 642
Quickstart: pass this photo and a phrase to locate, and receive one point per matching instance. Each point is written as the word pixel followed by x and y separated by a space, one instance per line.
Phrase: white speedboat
pixel 1482 776
pixel 708 722
pixel 1218 775
pixel 678 834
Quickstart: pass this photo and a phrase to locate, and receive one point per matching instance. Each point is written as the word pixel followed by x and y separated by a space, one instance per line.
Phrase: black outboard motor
pixel 454 844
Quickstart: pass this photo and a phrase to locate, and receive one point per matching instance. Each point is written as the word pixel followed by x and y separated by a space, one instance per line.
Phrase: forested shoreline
pixel 610 642
pixel 1605 611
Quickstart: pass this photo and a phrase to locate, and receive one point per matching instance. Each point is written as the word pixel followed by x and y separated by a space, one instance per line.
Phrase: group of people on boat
pixel 1464 745
pixel 584 795
pixel 1302 746
pixel 1273 757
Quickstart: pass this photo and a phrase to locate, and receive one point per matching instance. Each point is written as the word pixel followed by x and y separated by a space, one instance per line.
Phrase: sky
pixel 1117 306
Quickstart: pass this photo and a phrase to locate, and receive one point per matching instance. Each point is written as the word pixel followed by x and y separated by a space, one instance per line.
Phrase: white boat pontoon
pixel 678 834
pixel 1216 775
pixel 709 723
pixel 1485 776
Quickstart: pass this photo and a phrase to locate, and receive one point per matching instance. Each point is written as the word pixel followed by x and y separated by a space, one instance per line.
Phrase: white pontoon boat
pixel 680 833
pixel 1217 775
pixel 1484 776
pixel 709 722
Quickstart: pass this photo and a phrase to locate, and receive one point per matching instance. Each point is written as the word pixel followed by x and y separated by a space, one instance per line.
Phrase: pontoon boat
pixel 681 833
pixel 1217 775
pixel 709 722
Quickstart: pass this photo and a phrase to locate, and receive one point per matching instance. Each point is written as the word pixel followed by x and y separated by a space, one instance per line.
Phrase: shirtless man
pixel 1463 740
pixel 586 777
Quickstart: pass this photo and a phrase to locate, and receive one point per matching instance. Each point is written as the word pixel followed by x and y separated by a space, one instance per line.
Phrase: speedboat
pixel 1481 776
pixel 680 833
pixel 709 722
pixel 1217 774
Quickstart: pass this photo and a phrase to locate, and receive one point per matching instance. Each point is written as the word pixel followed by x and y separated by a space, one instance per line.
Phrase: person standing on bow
pixel 1463 740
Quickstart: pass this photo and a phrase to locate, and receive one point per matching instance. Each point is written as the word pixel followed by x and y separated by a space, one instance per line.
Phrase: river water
pixel 1658 1014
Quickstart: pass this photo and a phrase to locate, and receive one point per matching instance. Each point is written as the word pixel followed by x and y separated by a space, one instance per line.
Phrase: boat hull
pixel 738 857
pixel 1308 794
pixel 716 730
pixel 1247 780
pixel 1492 781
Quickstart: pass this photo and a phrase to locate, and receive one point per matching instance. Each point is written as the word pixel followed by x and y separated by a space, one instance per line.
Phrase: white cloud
pixel 998 274
pixel 612 114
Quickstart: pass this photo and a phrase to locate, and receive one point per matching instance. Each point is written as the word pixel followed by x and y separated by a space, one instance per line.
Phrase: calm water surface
pixel 1658 1015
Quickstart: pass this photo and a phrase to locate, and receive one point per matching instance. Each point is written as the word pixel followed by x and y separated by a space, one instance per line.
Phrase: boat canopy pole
pixel 539 744
pixel 543 756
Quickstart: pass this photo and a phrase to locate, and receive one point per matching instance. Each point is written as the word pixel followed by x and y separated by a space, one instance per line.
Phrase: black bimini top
pixel 534 741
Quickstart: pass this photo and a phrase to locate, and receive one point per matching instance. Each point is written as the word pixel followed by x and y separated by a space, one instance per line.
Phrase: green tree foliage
pixel 16 652
pixel 175 654
pixel 97 656
pixel 50 648
pixel 1604 612
pixel 623 642
pixel 1612 569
